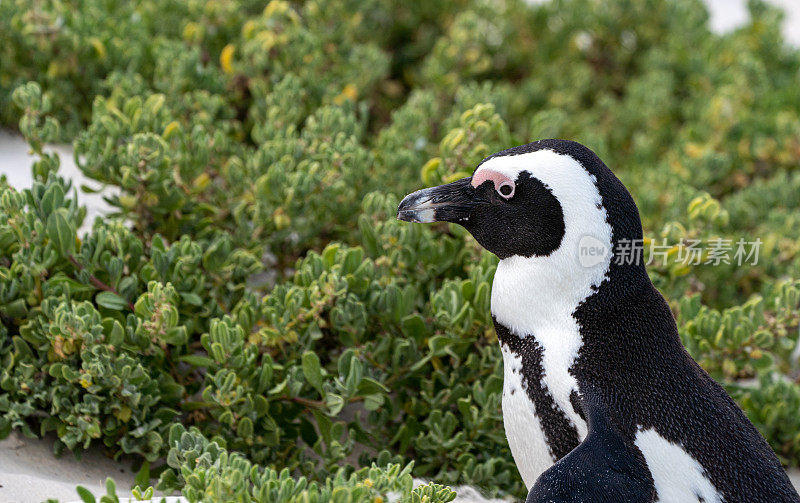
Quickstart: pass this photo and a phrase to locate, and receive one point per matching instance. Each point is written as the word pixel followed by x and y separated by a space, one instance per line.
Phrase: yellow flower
pixel 170 129
pixel 225 58
pixel 350 92
pixel 98 47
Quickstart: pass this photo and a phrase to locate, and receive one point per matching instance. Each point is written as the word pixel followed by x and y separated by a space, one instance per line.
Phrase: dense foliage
pixel 254 285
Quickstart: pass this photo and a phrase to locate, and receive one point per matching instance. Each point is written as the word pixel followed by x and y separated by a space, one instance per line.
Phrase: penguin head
pixel 544 199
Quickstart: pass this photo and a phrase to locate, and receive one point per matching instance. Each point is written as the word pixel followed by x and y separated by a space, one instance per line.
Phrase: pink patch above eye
pixel 497 178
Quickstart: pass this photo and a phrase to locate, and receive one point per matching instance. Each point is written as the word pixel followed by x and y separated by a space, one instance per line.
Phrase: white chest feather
pixel 523 428
pixel 526 437
pixel 678 477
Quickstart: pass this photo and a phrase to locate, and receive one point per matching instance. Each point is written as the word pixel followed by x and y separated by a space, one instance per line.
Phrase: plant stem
pixel 96 282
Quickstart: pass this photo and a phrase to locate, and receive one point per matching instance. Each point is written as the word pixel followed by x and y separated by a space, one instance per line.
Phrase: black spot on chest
pixel 560 434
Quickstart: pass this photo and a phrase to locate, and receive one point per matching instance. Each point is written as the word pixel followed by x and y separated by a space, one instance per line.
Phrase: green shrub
pixel 253 284
pixel 207 472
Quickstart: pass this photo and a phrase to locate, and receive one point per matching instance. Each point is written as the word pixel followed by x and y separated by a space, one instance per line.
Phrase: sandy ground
pixel 729 14
pixel 16 161
pixel 28 470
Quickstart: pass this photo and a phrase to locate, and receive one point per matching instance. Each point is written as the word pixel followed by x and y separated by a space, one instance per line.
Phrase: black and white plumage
pixel 604 468
pixel 566 321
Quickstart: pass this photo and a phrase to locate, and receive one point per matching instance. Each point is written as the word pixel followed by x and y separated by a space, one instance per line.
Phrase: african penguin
pixel 604 468
pixel 570 311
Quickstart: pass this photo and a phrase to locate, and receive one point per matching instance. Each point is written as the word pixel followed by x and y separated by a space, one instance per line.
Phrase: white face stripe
pixel 678 477
pixel 536 296
pixel 562 273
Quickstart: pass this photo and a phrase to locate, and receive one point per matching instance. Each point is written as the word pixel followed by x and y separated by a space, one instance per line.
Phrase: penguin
pixel 604 468
pixel 573 306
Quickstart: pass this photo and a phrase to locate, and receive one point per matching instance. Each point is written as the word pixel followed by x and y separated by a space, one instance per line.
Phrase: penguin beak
pixel 451 202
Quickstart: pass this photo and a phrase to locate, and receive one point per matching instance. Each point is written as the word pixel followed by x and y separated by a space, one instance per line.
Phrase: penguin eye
pixel 506 189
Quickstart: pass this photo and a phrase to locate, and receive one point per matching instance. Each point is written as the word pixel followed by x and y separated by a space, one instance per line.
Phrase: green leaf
pixel 61 232
pixel 373 402
pixel 53 198
pixel 191 298
pixel 307 431
pixel 110 300
pixel 198 360
pixel 21 347
pixel 414 327
pixel 143 476
pixel 438 344
pixel 334 402
pixel 245 428
pixel 111 487
pixel 14 309
pixel 369 386
pixel 324 425
pixel 86 495
pixel 313 371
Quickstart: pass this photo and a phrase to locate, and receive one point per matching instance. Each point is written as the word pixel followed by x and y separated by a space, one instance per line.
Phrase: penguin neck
pixel 538 294
pixel 535 294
